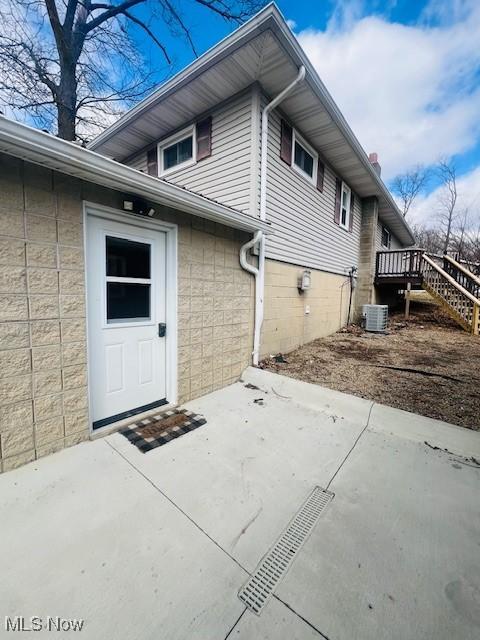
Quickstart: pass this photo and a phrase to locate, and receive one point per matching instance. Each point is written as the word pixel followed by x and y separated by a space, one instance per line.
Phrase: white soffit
pixel 41 148
pixel 262 50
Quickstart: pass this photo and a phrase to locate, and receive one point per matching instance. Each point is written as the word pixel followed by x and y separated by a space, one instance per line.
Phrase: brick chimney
pixel 373 157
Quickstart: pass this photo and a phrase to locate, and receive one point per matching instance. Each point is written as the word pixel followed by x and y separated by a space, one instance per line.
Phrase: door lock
pixel 162 329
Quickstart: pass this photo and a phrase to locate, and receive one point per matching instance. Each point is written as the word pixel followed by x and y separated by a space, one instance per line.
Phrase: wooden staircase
pixel 455 288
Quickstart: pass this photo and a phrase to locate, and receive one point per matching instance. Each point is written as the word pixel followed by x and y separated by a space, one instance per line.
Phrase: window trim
pixel 349 212
pixel 389 243
pixel 296 137
pixel 187 132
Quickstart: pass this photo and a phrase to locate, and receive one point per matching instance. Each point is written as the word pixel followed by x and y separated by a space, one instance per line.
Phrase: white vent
pixel 376 316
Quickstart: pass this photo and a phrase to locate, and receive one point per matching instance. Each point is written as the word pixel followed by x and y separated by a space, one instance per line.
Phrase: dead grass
pixel 353 361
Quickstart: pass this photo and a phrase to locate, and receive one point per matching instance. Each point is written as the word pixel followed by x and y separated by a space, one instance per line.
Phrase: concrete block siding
pixel 43 355
pixel 215 308
pixel 43 375
pixel 286 325
pixel 366 265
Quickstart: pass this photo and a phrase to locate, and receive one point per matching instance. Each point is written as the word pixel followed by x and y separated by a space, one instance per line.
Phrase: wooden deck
pixel 450 282
pixel 397 268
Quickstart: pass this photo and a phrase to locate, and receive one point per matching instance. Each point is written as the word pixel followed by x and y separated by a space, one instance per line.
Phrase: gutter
pixel 322 92
pixel 41 148
pixel 259 238
pixel 267 18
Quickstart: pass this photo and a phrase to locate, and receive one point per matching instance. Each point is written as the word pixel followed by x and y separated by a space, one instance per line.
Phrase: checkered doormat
pixel 159 429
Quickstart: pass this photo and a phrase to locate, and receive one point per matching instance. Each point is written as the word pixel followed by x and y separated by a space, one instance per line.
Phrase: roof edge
pixel 38 147
pixel 330 105
pixel 269 16
pixel 201 64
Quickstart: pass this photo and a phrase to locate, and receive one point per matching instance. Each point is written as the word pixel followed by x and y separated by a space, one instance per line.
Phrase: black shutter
pixel 338 200
pixel 152 162
pixel 286 143
pixel 204 138
pixel 352 204
pixel 320 175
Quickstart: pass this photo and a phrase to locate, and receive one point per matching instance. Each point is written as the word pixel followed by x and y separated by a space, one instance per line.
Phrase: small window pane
pixel 185 149
pixel 177 153
pixel 127 302
pixel 170 157
pixel 385 237
pixel 127 259
pixel 303 159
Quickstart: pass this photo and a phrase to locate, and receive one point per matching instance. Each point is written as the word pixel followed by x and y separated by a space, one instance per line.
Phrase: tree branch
pixel 182 25
pixel 149 32
pixel 110 13
pixel 70 15
pixel 224 12
pixel 57 27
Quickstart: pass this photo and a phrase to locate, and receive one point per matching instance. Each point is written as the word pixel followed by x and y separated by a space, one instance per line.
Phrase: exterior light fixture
pixel 304 281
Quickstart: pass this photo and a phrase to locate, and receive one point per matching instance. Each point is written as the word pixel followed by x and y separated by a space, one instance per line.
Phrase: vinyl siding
pixel 394 244
pixel 303 217
pixel 225 175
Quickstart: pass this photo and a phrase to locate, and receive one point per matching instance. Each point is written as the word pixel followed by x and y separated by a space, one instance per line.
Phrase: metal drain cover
pixel 273 566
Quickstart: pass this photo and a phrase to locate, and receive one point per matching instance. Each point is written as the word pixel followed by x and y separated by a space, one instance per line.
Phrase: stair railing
pixel 463 304
pixel 462 275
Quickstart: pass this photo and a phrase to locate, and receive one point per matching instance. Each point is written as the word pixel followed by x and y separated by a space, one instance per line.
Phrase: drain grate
pixel 257 591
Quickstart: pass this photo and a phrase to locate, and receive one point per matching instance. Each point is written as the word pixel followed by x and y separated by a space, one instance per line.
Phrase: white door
pixel 126 267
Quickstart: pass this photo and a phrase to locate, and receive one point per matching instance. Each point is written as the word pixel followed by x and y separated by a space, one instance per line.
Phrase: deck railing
pixel 404 263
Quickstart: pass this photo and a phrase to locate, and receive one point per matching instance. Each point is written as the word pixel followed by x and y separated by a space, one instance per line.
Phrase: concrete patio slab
pixel 277 622
pixel 397 553
pixel 253 464
pixel 83 535
pixel 420 428
pixel 157 545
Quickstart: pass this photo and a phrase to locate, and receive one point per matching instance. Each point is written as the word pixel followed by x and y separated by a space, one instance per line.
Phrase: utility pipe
pixel 259 238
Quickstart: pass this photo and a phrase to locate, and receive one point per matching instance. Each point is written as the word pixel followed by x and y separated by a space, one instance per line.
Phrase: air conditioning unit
pixel 376 316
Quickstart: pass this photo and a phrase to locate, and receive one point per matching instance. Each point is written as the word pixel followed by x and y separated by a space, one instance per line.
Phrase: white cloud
pixel 291 24
pixel 428 207
pixel 407 91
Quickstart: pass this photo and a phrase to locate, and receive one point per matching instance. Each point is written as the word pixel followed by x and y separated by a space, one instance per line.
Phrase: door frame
pixel 91 209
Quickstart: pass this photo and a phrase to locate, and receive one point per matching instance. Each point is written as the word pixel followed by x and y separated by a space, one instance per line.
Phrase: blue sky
pixel 405 73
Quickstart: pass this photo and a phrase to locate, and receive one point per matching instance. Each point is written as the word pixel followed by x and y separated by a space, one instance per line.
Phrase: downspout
pixel 259 238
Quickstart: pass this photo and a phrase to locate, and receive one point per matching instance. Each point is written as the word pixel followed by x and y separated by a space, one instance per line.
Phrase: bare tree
pixel 461 233
pixel 408 185
pixel 428 238
pixel 74 63
pixel 448 199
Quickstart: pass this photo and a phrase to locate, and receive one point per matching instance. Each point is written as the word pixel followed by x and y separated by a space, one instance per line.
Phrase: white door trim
pixel 171 234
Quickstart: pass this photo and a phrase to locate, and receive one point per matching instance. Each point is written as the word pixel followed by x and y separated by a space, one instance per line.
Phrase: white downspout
pixel 259 237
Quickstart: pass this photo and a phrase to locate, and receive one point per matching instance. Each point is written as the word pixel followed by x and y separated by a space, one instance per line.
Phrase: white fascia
pixel 41 148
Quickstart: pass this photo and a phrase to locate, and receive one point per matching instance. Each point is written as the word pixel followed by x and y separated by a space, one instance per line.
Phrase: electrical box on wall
pixel 304 281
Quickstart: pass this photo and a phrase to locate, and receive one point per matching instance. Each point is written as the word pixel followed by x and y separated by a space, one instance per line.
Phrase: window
pixel 178 151
pixel 386 238
pixel 305 160
pixel 128 283
pixel 345 206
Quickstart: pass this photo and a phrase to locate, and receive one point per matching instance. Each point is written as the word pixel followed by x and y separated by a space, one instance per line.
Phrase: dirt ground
pixel 354 361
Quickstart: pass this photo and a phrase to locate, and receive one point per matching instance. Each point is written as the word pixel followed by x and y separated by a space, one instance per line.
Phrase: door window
pixel 128 280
